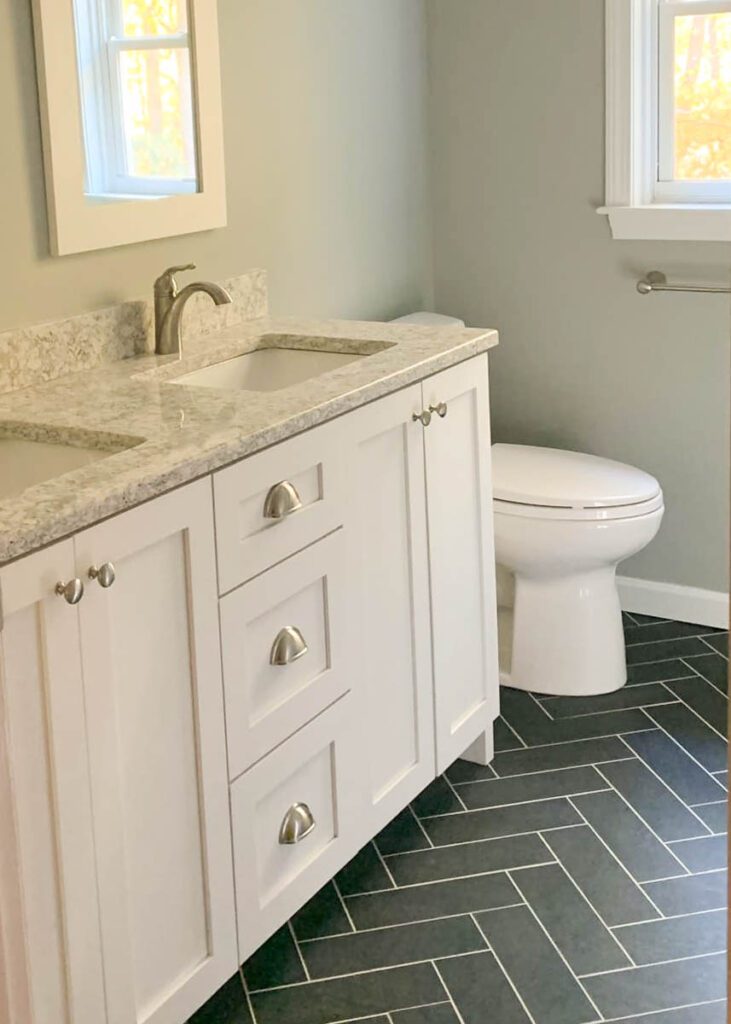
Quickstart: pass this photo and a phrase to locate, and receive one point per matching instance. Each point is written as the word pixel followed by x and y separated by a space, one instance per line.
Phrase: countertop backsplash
pixel 44 352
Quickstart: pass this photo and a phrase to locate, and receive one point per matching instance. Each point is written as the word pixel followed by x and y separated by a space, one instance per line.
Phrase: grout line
pixel 697 672
pixel 679 745
pixel 519 738
pixel 674 639
pixel 514 803
pixel 299 951
pixel 401 1009
pixel 459 1016
pixel 454 791
pixel 547 713
pixel 336 887
pixel 659 963
pixel 673 917
pixel 709 803
pixel 699 717
pixel 487 839
pixel 436 881
pixel 670 1009
pixel 415 816
pixel 547 771
pixel 710 646
pixel 507 977
pixel 650 727
pixel 386 868
pixel 403 924
pixel 247 995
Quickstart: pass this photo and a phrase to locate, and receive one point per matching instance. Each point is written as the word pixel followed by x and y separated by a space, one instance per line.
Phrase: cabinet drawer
pixel 274 503
pixel 284 648
pixel 316 769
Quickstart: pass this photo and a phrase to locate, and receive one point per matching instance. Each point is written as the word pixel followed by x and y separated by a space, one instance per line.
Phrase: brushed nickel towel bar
pixel 656 281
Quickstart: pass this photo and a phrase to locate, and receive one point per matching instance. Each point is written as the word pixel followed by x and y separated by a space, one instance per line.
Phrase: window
pixel 136 97
pixel 669 119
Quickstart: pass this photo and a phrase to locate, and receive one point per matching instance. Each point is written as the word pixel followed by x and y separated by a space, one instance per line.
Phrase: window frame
pixel 638 204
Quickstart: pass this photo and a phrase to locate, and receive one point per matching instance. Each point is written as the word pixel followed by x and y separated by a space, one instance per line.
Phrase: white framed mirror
pixel 130 100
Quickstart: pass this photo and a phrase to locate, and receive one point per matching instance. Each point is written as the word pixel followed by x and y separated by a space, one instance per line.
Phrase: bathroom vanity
pixel 287 629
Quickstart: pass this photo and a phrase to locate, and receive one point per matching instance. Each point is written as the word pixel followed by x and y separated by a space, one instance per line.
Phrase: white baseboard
pixel 671 601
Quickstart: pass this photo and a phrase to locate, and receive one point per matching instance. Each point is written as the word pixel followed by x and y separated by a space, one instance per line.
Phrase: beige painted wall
pixel 324 106
pixel 517 102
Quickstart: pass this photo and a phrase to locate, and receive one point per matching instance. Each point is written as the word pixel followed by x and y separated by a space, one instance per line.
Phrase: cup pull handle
pixel 281 501
pixel 298 823
pixel 288 646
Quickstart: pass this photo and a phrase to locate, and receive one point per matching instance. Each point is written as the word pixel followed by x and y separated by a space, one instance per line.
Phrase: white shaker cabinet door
pixel 154 700
pixel 50 954
pixel 385 538
pixel 461 558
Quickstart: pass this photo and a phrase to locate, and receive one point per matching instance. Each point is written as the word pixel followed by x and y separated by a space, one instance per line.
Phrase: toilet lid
pixel 560 479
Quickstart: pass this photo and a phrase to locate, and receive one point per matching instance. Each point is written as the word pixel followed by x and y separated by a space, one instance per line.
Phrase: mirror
pixel 131 110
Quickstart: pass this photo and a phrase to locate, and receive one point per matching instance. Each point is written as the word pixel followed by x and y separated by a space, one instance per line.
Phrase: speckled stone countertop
pixel 180 432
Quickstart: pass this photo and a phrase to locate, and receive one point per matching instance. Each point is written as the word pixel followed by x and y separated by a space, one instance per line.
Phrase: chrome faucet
pixel 170 304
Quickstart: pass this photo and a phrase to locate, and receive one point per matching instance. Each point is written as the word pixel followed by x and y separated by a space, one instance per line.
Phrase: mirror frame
pixel 77 225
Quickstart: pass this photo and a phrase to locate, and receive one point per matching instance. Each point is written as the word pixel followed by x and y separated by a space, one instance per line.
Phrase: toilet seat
pixel 549 483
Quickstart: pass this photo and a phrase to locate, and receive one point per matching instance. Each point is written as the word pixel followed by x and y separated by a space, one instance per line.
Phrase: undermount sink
pixel 24 463
pixel 268 369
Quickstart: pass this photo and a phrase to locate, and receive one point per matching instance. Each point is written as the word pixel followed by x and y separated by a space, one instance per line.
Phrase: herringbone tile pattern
pixel 580 878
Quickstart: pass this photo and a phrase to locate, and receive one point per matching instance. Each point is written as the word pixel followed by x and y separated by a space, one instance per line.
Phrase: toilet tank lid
pixel 430 320
pixel 559 479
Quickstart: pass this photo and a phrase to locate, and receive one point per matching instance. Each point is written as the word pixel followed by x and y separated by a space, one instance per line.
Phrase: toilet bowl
pixel 563 523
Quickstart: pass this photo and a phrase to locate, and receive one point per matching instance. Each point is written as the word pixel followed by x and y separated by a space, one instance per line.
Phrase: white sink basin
pixel 25 463
pixel 268 369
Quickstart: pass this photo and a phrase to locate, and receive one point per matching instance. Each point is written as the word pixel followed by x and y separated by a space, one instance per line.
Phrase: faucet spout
pixel 169 336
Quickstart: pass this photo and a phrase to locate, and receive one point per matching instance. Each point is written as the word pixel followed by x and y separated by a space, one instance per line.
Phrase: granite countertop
pixel 180 432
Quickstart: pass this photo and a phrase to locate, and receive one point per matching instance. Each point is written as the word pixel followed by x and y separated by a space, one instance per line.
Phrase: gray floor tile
pixel 706 854
pixel 639 654
pixel 643 989
pixel 707 1013
pixel 275 963
pixel 644 856
pixel 559 755
pixel 467 859
pixel 532 724
pixel 628 697
pixel 500 821
pixel 689 894
pixel 662 631
pixel 719 643
pixel 654 802
pixel 543 786
pixel 362 995
pixel 712 667
pixel 569 919
pixel 322 915
pixel 480 991
pixel 705 700
pixel 401 835
pixel 228 1006
pixel 547 987
pixel 442 1013
pixel 604 882
pixel 687 779
pixel 364 873
pixel 505 738
pixel 675 938
pixel 715 816
pixel 432 900
pixel 722 777
pixel 437 798
pixel 466 771
pixel 391 947
pixel 657 671
pixel 700 741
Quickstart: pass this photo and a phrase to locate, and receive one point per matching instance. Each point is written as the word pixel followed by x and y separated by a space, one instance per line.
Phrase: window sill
pixel 669 223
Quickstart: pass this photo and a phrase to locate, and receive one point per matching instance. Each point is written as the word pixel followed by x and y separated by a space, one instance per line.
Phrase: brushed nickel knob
pixel 298 823
pixel 71 592
pixel 281 501
pixel 105 575
pixel 288 646
pixel 440 409
pixel 422 417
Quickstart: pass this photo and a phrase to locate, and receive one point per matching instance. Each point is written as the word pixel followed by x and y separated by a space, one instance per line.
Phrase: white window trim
pixel 631 170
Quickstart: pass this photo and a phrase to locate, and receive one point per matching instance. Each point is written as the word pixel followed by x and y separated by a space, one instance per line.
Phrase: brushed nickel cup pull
pixel 288 646
pixel 298 823
pixel 281 501
pixel 440 409
pixel 71 592
pixel 422 417
pixel 105 575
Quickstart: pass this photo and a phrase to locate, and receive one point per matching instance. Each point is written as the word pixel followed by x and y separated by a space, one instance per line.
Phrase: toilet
pixel 563 523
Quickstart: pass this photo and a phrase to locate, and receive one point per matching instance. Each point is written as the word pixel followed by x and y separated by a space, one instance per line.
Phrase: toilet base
pixel 563 636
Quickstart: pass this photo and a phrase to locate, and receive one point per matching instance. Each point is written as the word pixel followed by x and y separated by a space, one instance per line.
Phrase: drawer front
pixel 285 641
pixel 312 778
pixel 275 503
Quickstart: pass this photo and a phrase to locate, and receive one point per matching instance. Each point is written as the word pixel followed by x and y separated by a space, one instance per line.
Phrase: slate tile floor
pixel 580 878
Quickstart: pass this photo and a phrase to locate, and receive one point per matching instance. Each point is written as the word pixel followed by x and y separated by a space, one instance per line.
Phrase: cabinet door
pixel 50 951
pixel 385 535
pixel 154 698
pixel 461 557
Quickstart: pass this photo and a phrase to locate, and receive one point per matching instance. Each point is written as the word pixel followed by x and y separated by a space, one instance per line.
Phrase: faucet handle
pixel 166 282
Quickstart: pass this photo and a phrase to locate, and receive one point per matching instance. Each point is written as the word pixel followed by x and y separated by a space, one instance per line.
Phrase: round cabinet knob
pixel 440 409
pixel 422 417
pixel 297 825
pixel 281 501
pixel 71 592
pixel 288 646
pixel 104 574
